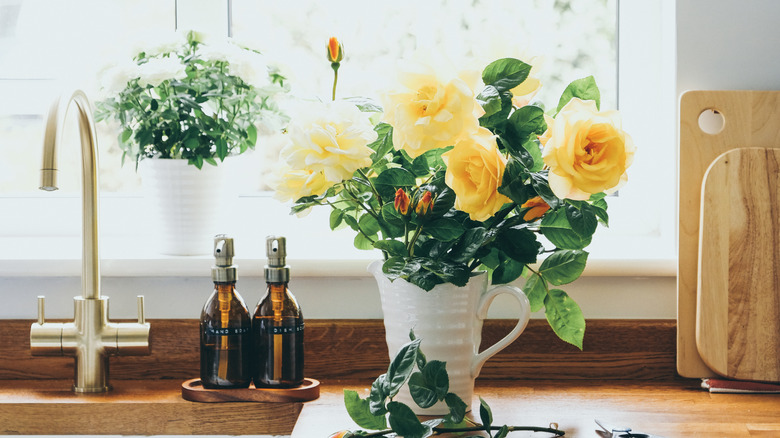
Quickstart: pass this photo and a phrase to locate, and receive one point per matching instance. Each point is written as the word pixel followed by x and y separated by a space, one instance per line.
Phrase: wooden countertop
pixel 625 375
pixel 133 407
pixel 670 409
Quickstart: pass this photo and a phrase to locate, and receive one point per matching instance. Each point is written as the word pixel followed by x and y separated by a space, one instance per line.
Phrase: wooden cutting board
pixel 738 297
pixel 752 119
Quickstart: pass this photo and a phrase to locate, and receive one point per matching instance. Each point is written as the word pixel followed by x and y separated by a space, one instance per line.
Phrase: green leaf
pixel 563 266
pixel 392 222
pixel 565 317
pixel 422 394
pixel 528 120
pixel 378 396
pixel 251 134
pixel 392 179
pixel 444 201
pixel 507 271
pixel 506 73
pixel 457 409
pixel 503 432
pixel 490 100
pixel 536 290
pixel 542 188
pixel 436 377
pixel 336 217
pixel 582 217
pixel 421 360
pixel 384 142
pixel 358 410
pixel 584 89
pixel 498 119
pixel 444 229
pixel 394 267
pixel 369 224
pixel 222 148
pixel 556 228
pixel 600 209
pixel 364 243
pixel 392 247
pixel 351 221
pixel 485 415
pixel 534 149
pixel 125 136
pixel 449 272
pixel 405 423
pixel 401 367
pixel 468 245
pixel 519 243
pixel 512 185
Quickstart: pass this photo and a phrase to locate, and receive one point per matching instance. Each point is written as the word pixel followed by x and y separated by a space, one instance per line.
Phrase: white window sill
pixel 60 257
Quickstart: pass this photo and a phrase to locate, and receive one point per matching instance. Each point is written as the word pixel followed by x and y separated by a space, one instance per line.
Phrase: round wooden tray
pixel 193 390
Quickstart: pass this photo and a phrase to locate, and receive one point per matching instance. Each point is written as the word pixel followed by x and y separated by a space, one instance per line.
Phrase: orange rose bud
pixel 341 434
pixel 335 50
pixel 537 208
pixel 425 204
pixel 401 202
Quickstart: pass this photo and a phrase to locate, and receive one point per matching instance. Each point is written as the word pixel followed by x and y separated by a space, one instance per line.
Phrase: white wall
pixel 728 45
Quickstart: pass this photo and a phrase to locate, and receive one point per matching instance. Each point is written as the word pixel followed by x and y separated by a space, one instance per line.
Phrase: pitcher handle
pixel 522 322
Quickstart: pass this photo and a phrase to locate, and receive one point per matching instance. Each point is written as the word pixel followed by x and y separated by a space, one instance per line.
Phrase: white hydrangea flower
pixel 244 63
pixel 114 78
pixel 158 70
pixel 155 43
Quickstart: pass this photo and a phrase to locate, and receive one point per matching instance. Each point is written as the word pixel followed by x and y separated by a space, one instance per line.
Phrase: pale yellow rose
pixel 293 184
pixel 587 151
pixel 475 169
pixel 429 111
pixel 330 138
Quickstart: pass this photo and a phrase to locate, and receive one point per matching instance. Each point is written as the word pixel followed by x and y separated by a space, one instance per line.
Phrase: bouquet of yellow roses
pixel 451 180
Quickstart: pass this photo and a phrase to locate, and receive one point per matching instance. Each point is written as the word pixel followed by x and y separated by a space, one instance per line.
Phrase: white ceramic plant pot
pixel 448 319
pixel 185 204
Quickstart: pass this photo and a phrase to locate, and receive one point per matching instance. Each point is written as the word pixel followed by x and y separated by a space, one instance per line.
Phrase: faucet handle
pixel 141 317
pixel 41 317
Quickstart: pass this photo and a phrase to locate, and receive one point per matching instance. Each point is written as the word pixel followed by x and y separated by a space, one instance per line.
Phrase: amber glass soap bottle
pixel 277 326
pixel 225 326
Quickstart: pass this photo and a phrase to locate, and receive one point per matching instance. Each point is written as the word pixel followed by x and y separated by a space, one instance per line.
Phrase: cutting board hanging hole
pixel 711 121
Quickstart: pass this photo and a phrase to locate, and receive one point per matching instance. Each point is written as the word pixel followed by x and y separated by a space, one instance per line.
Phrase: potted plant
pixel 457 187
pixel 183 107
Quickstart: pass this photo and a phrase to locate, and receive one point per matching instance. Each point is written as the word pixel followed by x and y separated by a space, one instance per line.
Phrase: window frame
pixel 646 98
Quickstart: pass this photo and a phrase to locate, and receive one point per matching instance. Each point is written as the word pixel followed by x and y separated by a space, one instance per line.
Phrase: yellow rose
pixel 475 169
pixel 587 151
pixel 428 112
pixel 330 138
pixel 293 184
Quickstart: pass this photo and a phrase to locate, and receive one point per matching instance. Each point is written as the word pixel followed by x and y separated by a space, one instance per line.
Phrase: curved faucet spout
pixel 90 271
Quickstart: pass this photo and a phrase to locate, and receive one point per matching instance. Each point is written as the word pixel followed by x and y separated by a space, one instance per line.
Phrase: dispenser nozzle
pixel 276 252
pixel 223 270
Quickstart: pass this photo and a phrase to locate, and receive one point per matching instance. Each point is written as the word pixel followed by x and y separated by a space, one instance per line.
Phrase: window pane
pixel 46 45
pixel 566 39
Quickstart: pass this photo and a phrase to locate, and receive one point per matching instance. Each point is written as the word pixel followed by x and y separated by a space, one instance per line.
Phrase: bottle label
pixel 284 330
pixel 230 331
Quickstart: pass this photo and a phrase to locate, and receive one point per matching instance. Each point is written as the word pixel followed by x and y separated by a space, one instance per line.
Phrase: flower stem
pixel 478 428
pixel 335 66
pixel 410 246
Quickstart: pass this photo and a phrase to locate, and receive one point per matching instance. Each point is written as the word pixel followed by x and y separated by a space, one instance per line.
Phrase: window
pixel 575 38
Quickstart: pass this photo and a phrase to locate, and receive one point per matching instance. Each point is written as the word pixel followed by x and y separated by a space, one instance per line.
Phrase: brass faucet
pixel 90 338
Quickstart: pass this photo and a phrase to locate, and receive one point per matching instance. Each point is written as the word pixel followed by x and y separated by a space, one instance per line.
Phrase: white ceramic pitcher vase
pixel 184 204
pixel 448 319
